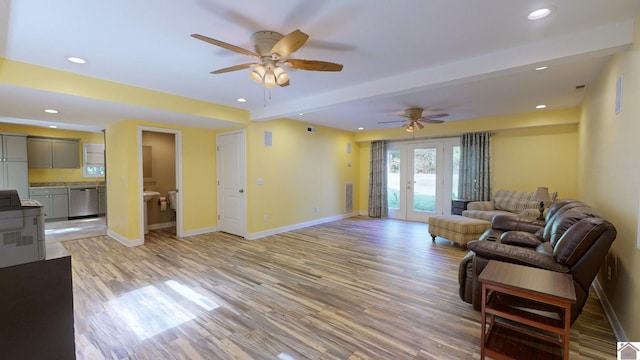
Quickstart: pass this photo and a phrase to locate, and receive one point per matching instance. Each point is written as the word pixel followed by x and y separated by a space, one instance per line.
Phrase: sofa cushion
pixel 493 250
pixel 512 201
pixel 578 239
pixel 517 201
pixel 520 238
pixel 486 215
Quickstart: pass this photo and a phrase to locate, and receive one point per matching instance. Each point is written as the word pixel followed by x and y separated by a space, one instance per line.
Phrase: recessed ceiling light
pixel 360 128
pixel 542 68
pixel 241 100
pixel 51 111
pixel 541 106
pixel 77 60
pixel 539 14
pixel 301 114
pixel 53 126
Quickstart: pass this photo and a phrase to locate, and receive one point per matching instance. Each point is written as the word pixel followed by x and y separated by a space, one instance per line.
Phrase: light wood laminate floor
pixel 357 288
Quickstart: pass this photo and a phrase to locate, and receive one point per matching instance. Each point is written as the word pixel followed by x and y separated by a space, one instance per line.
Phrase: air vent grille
pixel 348 198
pixel 16 238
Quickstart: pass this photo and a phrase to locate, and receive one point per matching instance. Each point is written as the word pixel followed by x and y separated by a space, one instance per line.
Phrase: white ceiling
pixel 468 58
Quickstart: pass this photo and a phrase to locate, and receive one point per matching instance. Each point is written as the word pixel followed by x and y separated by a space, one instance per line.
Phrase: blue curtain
pixel 378 180
pixel 475 167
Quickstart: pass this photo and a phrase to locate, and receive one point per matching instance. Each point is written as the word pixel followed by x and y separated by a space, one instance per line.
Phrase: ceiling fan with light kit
pixel 415 119
pixel 271 51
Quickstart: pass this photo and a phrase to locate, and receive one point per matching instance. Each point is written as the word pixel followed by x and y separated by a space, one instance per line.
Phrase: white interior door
pixel 420 178
pixel 231 165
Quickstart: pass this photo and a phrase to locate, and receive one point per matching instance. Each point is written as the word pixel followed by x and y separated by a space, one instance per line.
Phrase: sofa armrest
pixel 520 238
pixel 480 205
pixel 492 250
pixel 514 223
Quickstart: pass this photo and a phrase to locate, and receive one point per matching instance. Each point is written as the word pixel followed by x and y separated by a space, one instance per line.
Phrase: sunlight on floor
pixel 148 311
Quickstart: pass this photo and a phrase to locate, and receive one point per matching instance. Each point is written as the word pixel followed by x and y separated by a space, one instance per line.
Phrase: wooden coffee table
pixel 518 332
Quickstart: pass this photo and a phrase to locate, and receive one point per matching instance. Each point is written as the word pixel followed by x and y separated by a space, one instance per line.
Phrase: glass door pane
pixel 424 179
pixel 393 178
pixel 455 171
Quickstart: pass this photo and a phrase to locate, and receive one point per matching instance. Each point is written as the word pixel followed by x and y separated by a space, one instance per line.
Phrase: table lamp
pixel 542 195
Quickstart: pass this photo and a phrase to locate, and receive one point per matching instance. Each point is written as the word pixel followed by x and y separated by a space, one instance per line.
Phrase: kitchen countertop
pixel 63 185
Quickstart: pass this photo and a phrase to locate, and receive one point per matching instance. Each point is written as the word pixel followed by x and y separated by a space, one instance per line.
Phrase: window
pixel 93 160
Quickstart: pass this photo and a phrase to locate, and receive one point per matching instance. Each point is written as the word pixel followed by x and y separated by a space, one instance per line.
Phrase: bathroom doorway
pixel 160 171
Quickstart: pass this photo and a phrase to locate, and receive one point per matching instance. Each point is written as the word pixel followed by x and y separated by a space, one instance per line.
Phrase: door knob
pixel 241 190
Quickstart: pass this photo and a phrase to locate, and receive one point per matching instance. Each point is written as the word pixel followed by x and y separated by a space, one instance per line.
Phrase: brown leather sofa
pixel 573 239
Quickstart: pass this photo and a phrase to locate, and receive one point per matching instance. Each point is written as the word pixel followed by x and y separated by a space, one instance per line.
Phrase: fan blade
pixel 313 65
pixel 389 122
pixel 436 116
pixel 289 44
pixel 233 68
pixel 225 45
pixel 432 121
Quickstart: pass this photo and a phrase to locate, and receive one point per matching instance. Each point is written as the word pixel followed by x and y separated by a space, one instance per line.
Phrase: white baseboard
pixel 254 236
pixel 124 241
pixel 618 331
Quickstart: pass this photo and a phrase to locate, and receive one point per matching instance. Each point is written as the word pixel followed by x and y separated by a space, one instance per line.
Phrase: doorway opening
pixel 160 174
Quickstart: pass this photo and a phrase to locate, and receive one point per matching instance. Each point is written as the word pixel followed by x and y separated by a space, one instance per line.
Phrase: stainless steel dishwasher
pixel 83 201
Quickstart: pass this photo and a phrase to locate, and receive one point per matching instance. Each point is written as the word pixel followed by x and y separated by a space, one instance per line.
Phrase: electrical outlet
pixel 316 209
pixel 266 217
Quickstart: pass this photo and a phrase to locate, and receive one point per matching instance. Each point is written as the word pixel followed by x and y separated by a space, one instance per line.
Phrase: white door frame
pixel 243 189
pixel 178 144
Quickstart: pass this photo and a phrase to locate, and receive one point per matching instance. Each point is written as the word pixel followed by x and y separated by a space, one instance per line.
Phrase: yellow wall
pixel 123 195
pixel 524 159
pixel 301 171
pixel 198 176
pixel 56 175
pixel 609 177
pixel 528 150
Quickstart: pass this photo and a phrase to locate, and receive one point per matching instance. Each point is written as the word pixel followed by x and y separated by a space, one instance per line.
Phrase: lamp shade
pixel 281 76
pixel 257 74
pixel 269 79
pixel 542 194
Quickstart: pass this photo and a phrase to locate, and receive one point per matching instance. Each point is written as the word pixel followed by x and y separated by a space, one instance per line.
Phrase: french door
pixel 422 178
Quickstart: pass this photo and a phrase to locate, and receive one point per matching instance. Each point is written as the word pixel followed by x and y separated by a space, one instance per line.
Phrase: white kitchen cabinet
pixel 13 164
pixel 50 153
pixel 14 147
pixel 54 200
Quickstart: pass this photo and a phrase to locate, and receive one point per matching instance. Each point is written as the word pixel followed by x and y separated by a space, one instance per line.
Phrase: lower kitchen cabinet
pixel 54 200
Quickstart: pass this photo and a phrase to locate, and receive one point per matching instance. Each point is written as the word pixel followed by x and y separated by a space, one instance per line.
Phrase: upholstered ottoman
pixel 457 229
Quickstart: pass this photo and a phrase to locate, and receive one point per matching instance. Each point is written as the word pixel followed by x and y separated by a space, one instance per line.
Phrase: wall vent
pixel 16 238
pixel 348 198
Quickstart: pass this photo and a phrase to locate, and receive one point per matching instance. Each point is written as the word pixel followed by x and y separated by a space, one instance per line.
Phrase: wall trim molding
pixel 618 331
pixel 124 241
pixel 258 235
